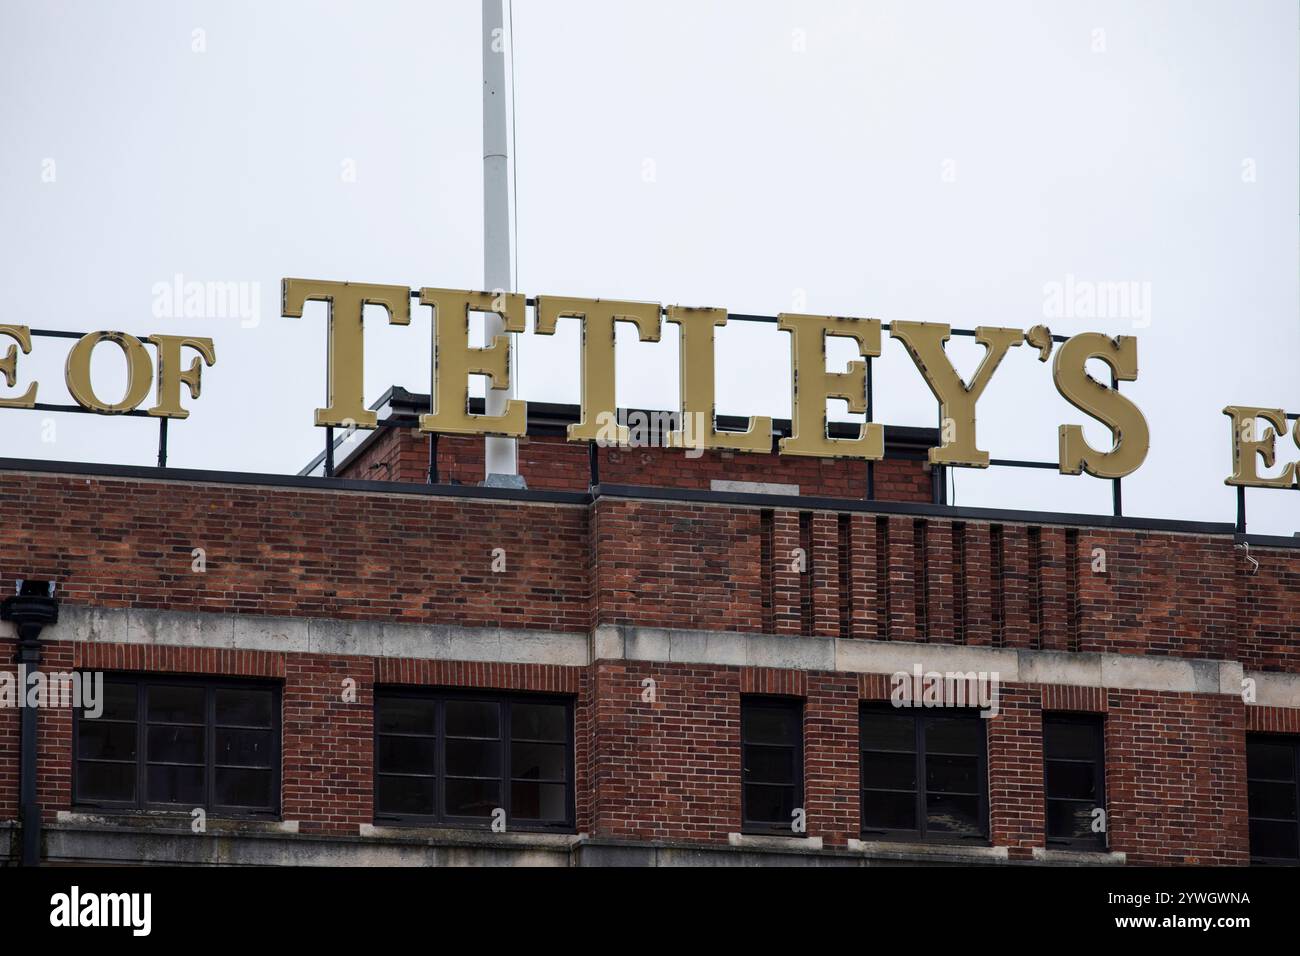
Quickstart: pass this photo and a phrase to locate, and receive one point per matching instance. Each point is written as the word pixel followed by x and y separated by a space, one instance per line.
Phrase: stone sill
pixel 1079 857
pixel 471 838
pixel 929 852
pixel 786 844
pixel 174 823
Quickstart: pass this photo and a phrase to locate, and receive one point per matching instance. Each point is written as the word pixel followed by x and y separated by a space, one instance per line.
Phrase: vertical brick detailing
pixel 787 581
pixel 959 600
pixel 997 591
pixel 1021 624
pixel 921 581
pixel 979 585
pixel 806 579
pixel 1034 597
pixel 844 555
pixel 767 566
pixel 902 581
pixel 865 599
pixel 941 594
pixel 825 579
pixel 1073 608
pixel 1054 597
pixel 883 589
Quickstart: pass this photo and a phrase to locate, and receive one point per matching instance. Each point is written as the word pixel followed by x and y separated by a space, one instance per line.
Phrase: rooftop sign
pixel 455 360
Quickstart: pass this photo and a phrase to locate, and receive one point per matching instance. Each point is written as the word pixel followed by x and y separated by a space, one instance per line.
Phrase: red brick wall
pixel 297 554
pixel 364 556
pixel 668 769
pixel 555 464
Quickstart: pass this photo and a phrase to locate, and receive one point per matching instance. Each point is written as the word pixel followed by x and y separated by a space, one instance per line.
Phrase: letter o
pixel 139 371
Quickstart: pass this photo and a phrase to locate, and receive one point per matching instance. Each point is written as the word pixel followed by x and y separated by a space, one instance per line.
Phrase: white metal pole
pixel 500 454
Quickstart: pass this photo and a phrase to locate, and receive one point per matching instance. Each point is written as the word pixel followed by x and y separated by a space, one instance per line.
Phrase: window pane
pixel 167 784
pixel 889 771
pixel 407 715
pixel 538 801
pixel 769 765
pixel 1075 780
pixel 409 796
pixel 243 788
pixel 953 735
pixel 952 814
pixel 1276 800
pixel 764 804
pixel 176 744
pixel 108 741
pixel 1070 820
pixel 244 748
pixel 119 701
pixel 472 798
pixel 952 774
pixel 244 708
pixel 1277 840
pixel 768 725
pixel 473 758
pixel 106 781
pixel 176 705
pixel 1266 760
pixel 1070 740
pixel 538 761
pixel 405 755
pixel 472 718
pixel 888 732
pixel 888 811
pixel 539 722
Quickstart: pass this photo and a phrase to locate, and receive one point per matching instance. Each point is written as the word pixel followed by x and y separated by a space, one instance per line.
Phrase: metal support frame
pixel 938 473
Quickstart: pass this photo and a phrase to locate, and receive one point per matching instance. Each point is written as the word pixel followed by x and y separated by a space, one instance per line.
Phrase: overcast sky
pixel 940 162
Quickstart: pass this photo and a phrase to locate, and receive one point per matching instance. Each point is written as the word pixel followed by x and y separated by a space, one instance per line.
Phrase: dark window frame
pixel 1098 842
pixel 1287 740
pixel 504 701
pixel 791 706
pixel 921 718
pixel 210 687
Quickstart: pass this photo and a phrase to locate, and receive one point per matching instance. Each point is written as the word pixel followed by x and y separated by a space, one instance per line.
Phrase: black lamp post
pixel 30 609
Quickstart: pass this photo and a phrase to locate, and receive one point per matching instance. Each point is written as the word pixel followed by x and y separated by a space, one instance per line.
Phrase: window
pixel 163 743
pixel 455 759
pixel 1075 779
pixel 771 744
pixel 1273 794
pixel 923 775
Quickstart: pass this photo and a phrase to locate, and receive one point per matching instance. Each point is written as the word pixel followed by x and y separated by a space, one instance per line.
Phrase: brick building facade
pixel 580 675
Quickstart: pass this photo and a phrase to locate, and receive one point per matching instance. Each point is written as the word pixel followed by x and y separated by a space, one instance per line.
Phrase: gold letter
pixel 697 384
pixel 811 385
pixel 9 366
pixel 924 342
pixel 345 391
pixel 170 376
pixel 1246 451
pixel 138 372
pixel 1132 438
pixel 598 318
pixel 454 362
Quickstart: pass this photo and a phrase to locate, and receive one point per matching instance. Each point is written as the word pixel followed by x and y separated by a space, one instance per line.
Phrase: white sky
pixel 929 161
